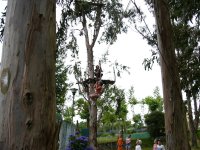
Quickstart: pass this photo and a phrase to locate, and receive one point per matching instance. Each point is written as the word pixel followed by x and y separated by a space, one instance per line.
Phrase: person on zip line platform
pixel 98 72
pixel 98 87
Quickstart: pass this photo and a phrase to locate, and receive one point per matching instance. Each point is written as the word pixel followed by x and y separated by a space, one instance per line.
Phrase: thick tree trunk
pixel 28 76
pixel 175 118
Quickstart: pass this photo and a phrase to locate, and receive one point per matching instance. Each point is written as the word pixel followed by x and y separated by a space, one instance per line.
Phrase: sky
pixel 130 49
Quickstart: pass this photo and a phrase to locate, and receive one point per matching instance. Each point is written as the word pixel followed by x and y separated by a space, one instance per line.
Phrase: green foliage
pixel 67 114
pixel 82 125
pixel 184 11
pixel 108 116
pixel 115 12
pixel 132 100
pixel 155 123
pixel 61 86
pixel 61 69
pixel 112 109
pixel 154 103
pixel 121 109
pixel 137 121
pixel 198 134
pixel 83 108
pixel 188 57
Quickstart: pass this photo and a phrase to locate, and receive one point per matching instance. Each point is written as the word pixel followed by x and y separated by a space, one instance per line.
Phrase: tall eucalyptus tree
pixel 175 118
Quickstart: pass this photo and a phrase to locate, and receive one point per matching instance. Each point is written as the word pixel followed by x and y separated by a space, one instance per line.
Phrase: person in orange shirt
pixel 98 86
pixel 120 143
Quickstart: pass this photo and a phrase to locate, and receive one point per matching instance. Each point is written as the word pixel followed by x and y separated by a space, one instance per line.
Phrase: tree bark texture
pixel 191 121
pixel 28 76
pixel 175 118
pixel 92 102
pixel 196 112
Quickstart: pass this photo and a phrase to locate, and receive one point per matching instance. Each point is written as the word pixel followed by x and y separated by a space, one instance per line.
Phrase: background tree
pixel 155 118
pixel 83 110
pixel 28 63
pixel 155 124
pixel 61 68
pixel 121 110
pixel 154 103
pixel 109 118
pixel 131 99
pixel 67 114
pixel 137 121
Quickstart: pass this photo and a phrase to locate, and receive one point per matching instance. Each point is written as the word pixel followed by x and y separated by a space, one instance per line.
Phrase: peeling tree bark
pixel 28 61
pixel 175 118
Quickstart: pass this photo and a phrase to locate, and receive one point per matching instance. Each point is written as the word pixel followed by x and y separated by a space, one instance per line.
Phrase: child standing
pixel 138 145
pixel 120 142
pixel 155 145
pixel 160 146
pixel 128 142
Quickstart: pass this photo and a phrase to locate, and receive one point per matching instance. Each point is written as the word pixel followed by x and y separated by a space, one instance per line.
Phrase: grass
pixel 146 143
pixel 107 139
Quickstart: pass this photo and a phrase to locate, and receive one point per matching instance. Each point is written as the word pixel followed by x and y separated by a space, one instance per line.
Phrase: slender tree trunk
pixel 28 76
pixel 92 103
pixel 196 113
pixel 93 126
pixel 191 121
pixel 175 118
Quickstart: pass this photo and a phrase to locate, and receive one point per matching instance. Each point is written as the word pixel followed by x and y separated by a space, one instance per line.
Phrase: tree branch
pixel 84 23
pixel 97 26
